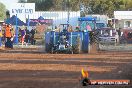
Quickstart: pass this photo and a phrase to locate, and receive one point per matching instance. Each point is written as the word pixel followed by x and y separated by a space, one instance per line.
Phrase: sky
pixel 7 3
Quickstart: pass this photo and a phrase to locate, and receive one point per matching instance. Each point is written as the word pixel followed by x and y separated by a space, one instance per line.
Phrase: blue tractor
pixel 89 24
pixel 66 42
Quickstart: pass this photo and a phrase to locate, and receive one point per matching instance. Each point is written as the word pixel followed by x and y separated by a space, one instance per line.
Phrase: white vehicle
pixel 108 36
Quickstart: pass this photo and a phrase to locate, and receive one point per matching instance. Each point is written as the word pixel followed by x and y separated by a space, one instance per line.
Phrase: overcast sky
pixel 8 2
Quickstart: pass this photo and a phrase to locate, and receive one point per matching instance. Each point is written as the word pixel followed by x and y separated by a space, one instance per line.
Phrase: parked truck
pixel 108 35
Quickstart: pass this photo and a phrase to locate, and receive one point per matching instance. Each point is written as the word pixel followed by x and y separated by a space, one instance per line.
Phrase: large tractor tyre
pixel 77 49
pixel 69 52
pixel 123 40
pixel 48 48
pixel 53 51
pixel 94 37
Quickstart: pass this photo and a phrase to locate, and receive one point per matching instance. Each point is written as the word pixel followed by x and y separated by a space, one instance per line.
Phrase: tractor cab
pixel 64 31
pixel 63 44
pixel 87 23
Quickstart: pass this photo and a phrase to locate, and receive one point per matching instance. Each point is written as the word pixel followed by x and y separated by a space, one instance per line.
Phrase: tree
pixel 42 5
pixel 22 1
pixel 106 7
pixel 2 11
pixel 127 4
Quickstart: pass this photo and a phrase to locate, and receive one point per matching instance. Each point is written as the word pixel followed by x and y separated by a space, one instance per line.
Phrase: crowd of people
pixel 8 35
pixel 26 36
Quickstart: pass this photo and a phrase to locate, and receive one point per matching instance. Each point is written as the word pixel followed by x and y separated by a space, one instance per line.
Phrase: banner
pixel 22 8
pixel 44 21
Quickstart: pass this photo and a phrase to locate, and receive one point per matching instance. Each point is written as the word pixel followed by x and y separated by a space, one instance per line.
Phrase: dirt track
pixel 34 70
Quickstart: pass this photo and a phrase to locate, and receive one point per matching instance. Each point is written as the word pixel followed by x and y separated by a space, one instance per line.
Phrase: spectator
pixel 23 33
pixel 19 34
pixel 27 37
pixel 32 36
pixel 8 37
pixel 119 32
pixel 3 33
pixel 12 36
pixel 0 36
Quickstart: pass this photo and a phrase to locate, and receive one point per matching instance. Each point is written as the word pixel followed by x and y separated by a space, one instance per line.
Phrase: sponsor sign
pixel 22 8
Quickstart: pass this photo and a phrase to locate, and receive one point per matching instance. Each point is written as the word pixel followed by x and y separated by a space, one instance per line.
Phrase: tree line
pixel 87 6
pixel 106 7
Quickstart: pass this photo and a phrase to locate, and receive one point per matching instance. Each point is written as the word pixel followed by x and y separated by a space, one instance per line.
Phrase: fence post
pixel 16 32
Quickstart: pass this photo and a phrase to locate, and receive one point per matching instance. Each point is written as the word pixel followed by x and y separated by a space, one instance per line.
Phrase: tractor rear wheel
pixel 78 46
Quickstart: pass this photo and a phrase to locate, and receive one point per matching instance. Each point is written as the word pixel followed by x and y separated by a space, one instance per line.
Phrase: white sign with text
pixel 22 8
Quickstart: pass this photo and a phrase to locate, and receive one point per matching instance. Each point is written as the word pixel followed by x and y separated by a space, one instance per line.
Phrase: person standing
pixel 32 36
pixel 12 35
pixel 23 33
pixel 8 37
pixel 0 36
pixel 27 36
